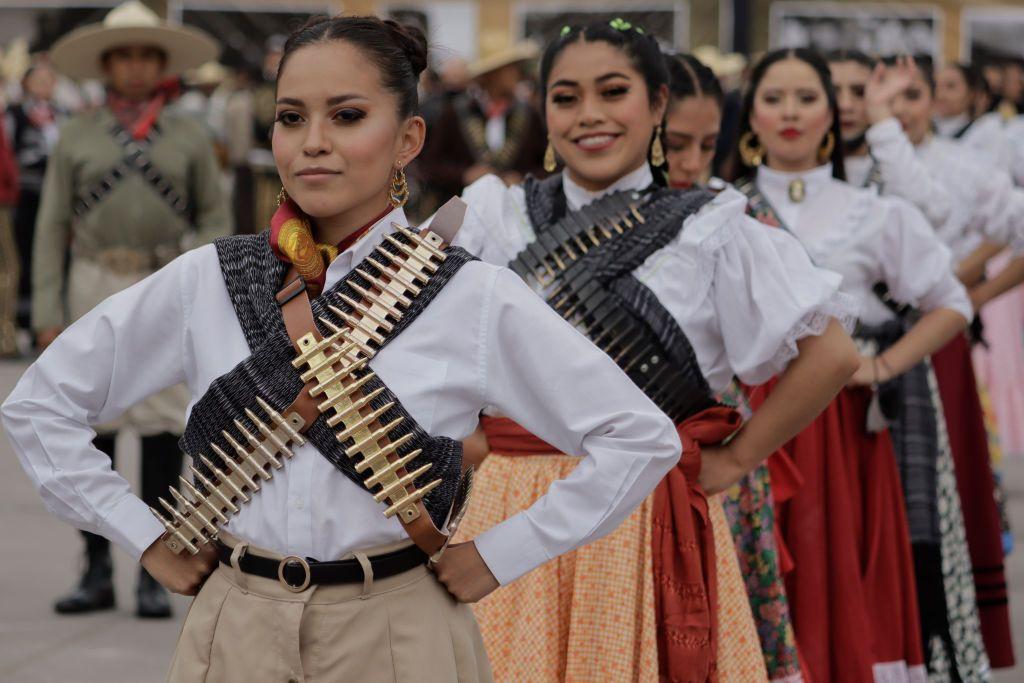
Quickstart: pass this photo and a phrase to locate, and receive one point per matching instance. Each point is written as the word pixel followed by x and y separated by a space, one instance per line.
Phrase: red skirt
pixel 851 588
pixel 968 442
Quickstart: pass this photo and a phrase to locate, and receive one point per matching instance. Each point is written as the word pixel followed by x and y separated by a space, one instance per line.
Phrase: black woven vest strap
pixel 253 276
pixel 598 292
pixel 908 404
pixel 875 179
pixel 135 160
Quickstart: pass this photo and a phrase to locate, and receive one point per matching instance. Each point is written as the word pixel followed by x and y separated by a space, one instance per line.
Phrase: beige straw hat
pixel 131 23
pixel 520 52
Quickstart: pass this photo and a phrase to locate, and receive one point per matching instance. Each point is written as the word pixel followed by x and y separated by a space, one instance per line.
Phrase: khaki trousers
pixel 399 629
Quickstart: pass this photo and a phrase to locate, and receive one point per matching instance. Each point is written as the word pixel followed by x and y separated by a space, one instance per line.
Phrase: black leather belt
pixel 297 574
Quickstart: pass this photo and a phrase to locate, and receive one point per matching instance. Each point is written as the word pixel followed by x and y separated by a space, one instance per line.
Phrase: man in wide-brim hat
pixel 489 129
pixel 125 185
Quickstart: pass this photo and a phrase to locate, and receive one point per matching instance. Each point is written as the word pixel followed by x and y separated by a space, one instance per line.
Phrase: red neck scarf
pixel 291 238
pixel 138 116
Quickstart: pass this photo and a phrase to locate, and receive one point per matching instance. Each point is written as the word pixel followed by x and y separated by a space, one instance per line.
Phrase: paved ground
pixel 40 559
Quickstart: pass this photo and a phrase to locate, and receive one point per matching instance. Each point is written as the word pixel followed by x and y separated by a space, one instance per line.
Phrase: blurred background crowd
pixel 480 101
pixel 479 96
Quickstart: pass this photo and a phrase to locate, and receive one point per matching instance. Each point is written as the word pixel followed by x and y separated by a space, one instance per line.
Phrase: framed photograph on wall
pixel 874 28
pixel 668 20
pixel 992 32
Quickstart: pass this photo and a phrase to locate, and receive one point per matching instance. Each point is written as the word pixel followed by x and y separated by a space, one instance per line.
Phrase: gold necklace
pixel 797 190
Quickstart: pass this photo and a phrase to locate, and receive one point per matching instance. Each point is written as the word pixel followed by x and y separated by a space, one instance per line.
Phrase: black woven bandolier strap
pixel 585 259
pixel 253 276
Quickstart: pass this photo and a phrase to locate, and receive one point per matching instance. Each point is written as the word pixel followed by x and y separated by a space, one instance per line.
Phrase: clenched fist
pixel 183 574
pixel 464 573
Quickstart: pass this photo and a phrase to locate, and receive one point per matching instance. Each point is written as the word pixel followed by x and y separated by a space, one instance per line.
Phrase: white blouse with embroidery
pixel 743 295
pixel 867 239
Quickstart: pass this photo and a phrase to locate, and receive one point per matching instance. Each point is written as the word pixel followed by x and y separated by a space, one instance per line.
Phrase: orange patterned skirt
pixel 585 616
pixel 589 614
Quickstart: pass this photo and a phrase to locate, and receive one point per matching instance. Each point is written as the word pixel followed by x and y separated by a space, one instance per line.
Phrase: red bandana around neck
pixel 291 238
pixel 138 116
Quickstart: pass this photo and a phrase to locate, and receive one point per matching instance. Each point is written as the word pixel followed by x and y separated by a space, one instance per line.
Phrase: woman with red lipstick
pixel 683 291
pixel 852 589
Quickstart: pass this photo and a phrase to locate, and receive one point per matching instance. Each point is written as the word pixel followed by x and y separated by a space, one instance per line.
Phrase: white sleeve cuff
pixel 883 131
pixel 131 526
pixel 511 549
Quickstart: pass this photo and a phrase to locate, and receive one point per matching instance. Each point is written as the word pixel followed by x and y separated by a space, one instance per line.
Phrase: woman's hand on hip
pixel 183 574
pixel 464 573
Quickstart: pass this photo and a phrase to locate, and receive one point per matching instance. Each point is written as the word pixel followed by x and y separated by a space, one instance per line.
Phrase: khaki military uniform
pixel 125 234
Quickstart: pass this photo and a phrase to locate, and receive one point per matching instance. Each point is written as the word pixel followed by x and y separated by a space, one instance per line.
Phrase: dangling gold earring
pixel 550 163
pixel 751 153
pixel 282 196
pixel 825 151
pixel 657 151
pixel 399 193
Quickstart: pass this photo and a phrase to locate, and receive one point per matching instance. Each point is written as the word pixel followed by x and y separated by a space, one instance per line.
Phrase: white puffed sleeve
pixel 768 296
pixel 916 265
pixel 129 347
pixel 744 293
pixel 495 229
pixel 905 175
pixel 956 194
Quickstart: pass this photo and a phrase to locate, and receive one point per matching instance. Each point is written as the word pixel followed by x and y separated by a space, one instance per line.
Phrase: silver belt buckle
pixel 293 559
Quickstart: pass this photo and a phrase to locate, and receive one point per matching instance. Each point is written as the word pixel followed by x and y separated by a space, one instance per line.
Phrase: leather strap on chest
pixel 336 376
pixel 136 159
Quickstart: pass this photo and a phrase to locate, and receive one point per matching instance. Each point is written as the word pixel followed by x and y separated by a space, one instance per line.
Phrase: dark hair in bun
pixel 398 50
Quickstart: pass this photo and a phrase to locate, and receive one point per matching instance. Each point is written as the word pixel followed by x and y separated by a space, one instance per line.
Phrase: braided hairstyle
pixel 690 77
pixel 399 51
pixel 641 48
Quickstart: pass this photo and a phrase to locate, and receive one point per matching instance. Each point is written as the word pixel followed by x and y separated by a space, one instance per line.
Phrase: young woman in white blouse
pixel 686 284
pixel 975 210
pixel 854 611
pixel 314 576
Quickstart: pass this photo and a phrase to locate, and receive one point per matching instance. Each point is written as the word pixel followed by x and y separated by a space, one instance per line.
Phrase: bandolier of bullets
pixel 338 365
pixel 554 259
pixel 555 249
pixel 194 522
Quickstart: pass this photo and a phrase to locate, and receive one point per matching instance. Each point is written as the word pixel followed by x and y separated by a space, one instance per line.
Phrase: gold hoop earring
pixel 657 151
pixel 399 193
pixel 827 147
pixel 282 196
pixel 750 151
pixel 550 163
